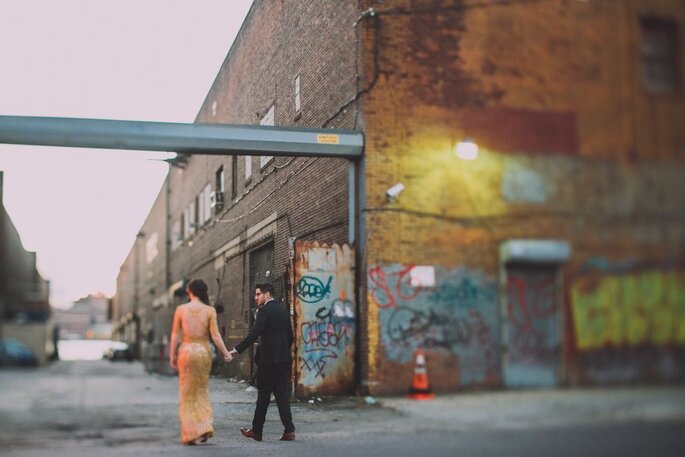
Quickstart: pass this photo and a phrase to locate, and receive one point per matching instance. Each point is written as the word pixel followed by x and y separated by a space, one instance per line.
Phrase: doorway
pixel 261 270
pixel 532 325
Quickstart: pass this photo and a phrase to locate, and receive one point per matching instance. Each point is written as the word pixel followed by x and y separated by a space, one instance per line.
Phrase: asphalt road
pixel 102 408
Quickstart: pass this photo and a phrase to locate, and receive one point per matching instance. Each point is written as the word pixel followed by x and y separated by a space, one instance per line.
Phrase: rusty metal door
pixel 532 333
pixel 325 318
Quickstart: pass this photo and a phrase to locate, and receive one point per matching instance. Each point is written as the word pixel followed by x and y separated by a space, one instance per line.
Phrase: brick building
pixel 553 258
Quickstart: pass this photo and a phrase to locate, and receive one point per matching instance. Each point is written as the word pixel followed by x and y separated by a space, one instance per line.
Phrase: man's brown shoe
pixel 249 433
pixel 288 436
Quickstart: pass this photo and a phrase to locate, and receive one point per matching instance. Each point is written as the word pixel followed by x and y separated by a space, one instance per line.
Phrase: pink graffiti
pixel 385 294
pixel 323 334
pixel 530 302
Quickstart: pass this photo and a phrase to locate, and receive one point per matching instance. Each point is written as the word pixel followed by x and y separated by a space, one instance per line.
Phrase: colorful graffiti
pixel 457 315
pixel 324 337
pixel 532 315
pixel 629 309
pixel 380 289
pixel 325 316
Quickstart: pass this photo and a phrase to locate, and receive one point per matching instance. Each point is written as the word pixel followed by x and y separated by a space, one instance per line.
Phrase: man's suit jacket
pixel 273 325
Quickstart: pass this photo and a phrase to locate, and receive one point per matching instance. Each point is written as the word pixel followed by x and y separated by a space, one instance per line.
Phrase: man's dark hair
pixel 266 287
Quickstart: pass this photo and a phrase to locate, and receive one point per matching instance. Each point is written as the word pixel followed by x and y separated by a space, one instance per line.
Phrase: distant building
pixel 554 255
pixel 87 318
pixel 24 293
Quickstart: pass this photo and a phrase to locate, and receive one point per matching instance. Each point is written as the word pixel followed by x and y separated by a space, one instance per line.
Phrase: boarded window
pixel 659 55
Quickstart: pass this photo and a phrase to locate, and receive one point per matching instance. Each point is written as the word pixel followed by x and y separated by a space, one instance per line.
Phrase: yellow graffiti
pixel 629 310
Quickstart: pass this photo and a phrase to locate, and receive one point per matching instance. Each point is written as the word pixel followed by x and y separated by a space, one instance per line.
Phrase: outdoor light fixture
pixel 466 149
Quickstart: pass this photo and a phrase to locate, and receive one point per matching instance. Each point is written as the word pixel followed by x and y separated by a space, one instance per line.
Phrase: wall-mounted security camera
pixel 395 191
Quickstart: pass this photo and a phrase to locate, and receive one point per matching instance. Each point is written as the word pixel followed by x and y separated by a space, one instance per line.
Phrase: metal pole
pixel 220 139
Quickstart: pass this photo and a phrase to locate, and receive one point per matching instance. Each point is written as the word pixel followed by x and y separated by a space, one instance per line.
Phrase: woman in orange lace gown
pixel 196 321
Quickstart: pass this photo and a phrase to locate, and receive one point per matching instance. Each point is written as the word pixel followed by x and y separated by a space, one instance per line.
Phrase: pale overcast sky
pixel 151 60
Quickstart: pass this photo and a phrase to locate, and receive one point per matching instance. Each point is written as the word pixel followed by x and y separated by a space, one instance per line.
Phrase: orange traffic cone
pixel 420 388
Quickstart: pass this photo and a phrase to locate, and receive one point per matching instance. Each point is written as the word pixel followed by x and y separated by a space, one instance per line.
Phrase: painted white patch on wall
pixel 523 185
pixel 422 276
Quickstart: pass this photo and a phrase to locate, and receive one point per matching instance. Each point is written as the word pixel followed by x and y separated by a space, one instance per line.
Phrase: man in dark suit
pixel 273 326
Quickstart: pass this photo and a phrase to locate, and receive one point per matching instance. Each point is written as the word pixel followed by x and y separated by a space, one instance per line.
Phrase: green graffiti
pixel 629 310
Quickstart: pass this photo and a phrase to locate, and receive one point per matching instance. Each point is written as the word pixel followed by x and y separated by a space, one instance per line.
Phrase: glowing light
pixel 466 149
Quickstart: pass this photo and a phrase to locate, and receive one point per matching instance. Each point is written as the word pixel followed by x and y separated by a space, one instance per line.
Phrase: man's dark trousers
pixel 272 325
pixel 273 378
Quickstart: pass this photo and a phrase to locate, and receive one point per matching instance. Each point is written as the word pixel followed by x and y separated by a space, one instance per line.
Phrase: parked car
pixel 15 353
pixel 118 350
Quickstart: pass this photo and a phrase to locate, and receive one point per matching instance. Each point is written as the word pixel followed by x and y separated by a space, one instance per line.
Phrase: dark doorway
pixel 261 270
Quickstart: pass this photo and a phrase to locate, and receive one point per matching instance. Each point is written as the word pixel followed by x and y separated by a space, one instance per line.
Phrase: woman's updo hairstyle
pixel 199 288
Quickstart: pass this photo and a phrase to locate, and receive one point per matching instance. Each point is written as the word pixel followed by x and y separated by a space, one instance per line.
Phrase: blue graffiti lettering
pixel 312 290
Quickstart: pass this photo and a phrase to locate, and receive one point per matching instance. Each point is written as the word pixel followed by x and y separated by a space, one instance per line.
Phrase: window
pixel 248 168
pixel 188 215
pixel 658 52
pixel 195 209
pixel 205 204
pixel 176 234
pixel 234 177
pixel 219 179
pixel 200 208
pixel 297 94
pixel 268 119
pixel 151 249
pixel 178 231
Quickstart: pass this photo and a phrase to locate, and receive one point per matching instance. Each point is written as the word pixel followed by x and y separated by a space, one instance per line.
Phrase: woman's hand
pixel 228 357
pixel 174 363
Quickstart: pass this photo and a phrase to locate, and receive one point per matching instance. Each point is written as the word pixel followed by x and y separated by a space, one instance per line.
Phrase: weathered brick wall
pixel 572 148
pixel 278 41
pixel 152 296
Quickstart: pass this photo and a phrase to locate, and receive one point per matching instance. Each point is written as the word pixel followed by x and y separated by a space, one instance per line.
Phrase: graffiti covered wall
pixel 325 318
pixel 632 309
pixel 453 318
pixel 630 326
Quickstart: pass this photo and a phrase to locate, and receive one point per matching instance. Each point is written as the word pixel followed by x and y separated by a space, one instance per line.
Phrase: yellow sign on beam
pixel 327 139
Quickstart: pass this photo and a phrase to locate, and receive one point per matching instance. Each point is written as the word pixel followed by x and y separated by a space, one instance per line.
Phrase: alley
pixel 104 408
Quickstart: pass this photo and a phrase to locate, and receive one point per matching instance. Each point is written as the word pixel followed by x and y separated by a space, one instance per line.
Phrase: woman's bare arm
pixel 216 336
pixel 175 328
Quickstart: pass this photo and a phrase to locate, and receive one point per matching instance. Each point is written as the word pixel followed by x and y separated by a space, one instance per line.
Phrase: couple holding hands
pixel 197 322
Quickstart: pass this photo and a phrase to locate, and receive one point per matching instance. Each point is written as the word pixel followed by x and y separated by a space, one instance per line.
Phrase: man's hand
pixel 231 355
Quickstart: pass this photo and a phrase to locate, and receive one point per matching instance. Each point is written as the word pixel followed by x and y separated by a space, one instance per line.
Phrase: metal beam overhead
pixel 212 139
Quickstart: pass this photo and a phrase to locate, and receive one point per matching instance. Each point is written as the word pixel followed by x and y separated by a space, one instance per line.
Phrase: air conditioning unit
pixel 216 199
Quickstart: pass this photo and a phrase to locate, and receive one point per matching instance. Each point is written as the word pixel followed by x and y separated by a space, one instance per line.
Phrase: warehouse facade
pixel 553 258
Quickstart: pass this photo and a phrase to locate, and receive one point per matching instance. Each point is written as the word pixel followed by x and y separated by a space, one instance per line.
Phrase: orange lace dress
pixel 196 322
